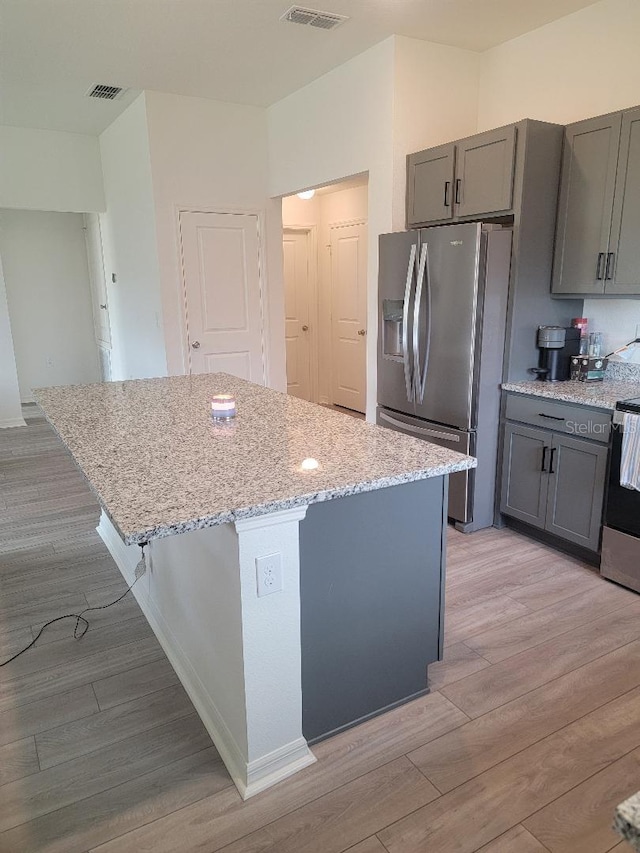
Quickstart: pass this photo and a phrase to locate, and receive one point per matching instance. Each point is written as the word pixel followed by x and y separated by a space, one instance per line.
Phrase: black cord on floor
pixel 79 617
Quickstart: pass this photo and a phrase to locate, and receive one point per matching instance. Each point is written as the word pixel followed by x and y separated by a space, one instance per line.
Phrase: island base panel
pixel 371 591
pixel 237 655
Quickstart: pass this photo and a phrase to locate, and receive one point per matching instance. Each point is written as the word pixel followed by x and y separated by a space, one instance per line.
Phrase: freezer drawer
pixel 461 484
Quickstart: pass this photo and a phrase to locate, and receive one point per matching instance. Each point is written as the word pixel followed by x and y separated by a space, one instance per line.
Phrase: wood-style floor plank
pixel 217 821
pixel 113 812
pixel 507 794
pixel 331 824
pixel 529 630
pixel 36 717
pixel 458 662
pixel 458 756
pixel 18 759
pixel 80 778
pixel 71 740
pixel 582 818
pixel 134 683
pixel 369 845
pixel 517 840
pixel 488 689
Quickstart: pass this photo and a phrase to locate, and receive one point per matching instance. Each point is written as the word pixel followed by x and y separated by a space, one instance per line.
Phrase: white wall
pixel 435 101
pixel 131 250
pixel 47 280
pixel 207 155
pixel 582 65
pixel 10 409
pixel 50 170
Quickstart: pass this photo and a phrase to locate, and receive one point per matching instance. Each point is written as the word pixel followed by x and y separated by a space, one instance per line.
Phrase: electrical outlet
pixel 269 574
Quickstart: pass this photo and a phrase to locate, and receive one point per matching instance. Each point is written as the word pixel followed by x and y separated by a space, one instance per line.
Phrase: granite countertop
pixel 159 465
pixel 627 820
pixel 600 395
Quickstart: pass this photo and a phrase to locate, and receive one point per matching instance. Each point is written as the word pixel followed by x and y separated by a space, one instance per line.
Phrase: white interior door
pixel 296 260
pixel 348 315
pixel 221 272
pixel 99 296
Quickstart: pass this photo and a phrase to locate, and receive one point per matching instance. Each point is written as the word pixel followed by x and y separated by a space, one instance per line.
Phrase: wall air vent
pixel 105 92
pixel 313 18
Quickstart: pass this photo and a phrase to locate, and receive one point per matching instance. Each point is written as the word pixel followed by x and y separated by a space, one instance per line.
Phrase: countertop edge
pixel 161 532
pixel 607 401
pixel 627 820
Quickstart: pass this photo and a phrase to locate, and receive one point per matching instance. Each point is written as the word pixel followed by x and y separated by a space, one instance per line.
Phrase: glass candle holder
pixel 223 407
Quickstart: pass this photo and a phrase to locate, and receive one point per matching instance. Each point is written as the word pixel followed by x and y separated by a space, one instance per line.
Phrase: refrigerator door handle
pixel 420 375
pixel 432 433
pixel 408 378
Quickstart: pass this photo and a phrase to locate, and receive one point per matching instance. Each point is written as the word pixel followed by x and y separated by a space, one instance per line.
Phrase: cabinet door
pixel 484 173
pixel 577 472
pixel 585 207
pixel 623 270
pixel 430 185
pixel 524 477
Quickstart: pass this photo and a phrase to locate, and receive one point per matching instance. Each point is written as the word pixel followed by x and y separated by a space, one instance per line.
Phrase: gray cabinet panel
pixel 371 605
pixel 577 471
pixel 624 262
pixel 586 204
pixel 430 185
pixel 484 173
pixel 524 484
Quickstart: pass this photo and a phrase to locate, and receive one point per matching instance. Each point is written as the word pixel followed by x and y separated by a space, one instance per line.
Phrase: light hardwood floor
pixel 529 739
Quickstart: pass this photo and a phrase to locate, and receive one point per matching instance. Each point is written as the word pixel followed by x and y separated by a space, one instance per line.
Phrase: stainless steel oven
pixel 621 534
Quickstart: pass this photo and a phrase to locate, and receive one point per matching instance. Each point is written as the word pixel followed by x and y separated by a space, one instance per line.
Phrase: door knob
pixel 305 328
pixel 195 345
pixel 104 307
pixel 362 332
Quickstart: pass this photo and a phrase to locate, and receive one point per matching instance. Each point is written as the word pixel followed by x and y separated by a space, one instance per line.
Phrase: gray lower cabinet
pixel 597 250
pixel 554 482
pixel 466 179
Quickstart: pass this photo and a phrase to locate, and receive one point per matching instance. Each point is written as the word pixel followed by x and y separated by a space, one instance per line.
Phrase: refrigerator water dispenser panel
pixel 392 310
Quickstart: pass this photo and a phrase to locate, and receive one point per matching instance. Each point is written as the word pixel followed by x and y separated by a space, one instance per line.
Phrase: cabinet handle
pixel 544 459
pixel 457 198
pixel 609 270
pixel 447 184
pixel 551 468
pixel 599 266
pixel 549 417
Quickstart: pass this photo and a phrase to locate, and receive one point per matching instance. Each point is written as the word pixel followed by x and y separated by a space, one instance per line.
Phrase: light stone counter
pixel 600 395
pixel 159 465
pixel 627 820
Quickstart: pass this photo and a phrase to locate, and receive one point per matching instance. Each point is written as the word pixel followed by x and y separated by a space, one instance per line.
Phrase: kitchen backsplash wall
pixel 615 318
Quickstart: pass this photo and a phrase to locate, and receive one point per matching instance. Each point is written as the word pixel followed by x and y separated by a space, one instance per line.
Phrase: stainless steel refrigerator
pixel 443 296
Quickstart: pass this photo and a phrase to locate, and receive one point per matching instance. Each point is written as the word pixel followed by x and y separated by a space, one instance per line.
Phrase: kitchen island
pixel 294 556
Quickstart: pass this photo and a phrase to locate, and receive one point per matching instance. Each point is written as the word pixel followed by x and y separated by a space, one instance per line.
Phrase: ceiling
pixel 52 51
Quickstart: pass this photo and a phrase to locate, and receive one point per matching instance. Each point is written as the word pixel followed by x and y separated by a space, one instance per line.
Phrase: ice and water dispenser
pixel 392 311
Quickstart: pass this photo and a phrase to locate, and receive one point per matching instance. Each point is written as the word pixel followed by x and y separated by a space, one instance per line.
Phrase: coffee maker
pixel 556 344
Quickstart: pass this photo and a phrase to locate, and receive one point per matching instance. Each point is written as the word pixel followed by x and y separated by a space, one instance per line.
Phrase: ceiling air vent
pixel 313 18
pixel 105 92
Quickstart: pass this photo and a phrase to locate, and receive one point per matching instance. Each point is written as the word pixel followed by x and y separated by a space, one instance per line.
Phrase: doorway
pixel 325 278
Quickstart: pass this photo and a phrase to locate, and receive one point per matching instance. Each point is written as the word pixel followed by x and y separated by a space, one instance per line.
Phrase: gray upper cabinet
pixel 430 184
pixel 466 179
pixel 624 245
pixel 597 251
pixel 484 173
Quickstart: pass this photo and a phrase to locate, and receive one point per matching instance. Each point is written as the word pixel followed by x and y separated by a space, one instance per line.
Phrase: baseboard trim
pixel 250 778
pixel 9 423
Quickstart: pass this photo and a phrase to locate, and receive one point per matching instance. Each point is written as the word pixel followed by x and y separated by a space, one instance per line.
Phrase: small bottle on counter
pixel 595 344
pixel 582 324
